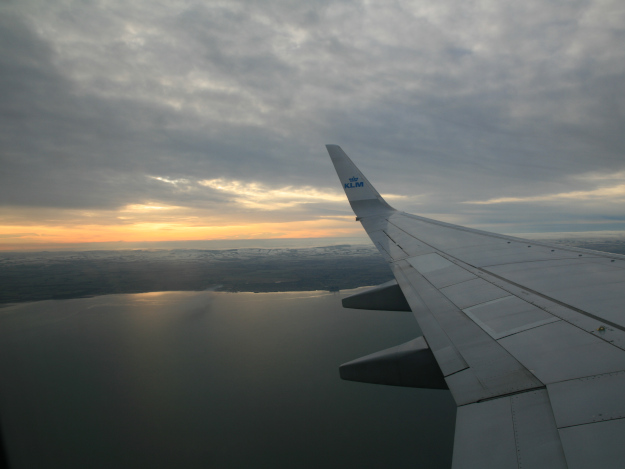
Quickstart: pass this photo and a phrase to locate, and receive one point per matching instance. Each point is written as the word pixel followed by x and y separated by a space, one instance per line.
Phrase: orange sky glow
pixel 254 212
pixel 31 236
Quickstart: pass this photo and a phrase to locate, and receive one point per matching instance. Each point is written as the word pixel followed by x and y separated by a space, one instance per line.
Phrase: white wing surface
pixel 529 337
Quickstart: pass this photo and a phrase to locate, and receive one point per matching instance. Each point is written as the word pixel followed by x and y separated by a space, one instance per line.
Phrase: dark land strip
pixel 48 275
pixel 34 276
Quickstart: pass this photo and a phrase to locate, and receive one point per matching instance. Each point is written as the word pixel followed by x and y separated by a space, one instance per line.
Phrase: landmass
pixel 34 276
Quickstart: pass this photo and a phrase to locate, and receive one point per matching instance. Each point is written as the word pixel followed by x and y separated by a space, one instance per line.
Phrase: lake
pixel 210 380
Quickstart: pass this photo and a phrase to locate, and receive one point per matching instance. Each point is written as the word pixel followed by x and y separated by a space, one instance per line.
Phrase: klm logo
pixel 353 182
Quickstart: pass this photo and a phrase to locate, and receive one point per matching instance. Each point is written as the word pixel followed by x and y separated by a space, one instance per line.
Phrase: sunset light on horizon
pixel 175 121
pixel 19 237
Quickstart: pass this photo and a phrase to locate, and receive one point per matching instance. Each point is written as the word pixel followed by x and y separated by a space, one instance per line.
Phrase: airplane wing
pixel 528 337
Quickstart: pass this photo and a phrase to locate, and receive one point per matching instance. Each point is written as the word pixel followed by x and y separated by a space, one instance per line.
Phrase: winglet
pixel 362 196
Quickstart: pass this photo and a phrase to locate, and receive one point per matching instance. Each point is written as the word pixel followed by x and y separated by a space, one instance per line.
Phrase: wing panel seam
pixel 515 432
pixel 573 308
pixel 591 423
pixel 538 260
pixel 501 396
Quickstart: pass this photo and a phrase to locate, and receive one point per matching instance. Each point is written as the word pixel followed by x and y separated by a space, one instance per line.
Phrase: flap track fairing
pixel 410 365
pixel 385 297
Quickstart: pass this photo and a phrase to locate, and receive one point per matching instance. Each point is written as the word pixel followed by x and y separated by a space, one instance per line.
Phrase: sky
pixel 158 121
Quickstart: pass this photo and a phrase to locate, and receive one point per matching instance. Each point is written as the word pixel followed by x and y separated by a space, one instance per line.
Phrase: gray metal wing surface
pixel 529 337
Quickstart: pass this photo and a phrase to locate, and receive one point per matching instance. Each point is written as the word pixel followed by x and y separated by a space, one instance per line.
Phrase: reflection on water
pixel 196 380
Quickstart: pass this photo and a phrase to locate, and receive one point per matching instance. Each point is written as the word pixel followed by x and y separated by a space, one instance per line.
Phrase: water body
pixel 210 380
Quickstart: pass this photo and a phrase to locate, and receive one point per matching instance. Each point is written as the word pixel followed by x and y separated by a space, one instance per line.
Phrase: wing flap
pixel 573 406
pixel 510 432
pixel 595 445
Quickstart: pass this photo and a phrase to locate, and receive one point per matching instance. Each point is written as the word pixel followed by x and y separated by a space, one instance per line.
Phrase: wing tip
pixel 332 147
pixel 335 151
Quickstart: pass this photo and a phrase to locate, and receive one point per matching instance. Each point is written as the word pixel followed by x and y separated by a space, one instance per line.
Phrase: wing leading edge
pixel 528 337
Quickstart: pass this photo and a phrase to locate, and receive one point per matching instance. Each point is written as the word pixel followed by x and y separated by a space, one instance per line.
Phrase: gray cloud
pixel 457 101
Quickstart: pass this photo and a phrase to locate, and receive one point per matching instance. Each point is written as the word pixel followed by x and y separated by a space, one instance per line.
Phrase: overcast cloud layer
pixel 508 116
